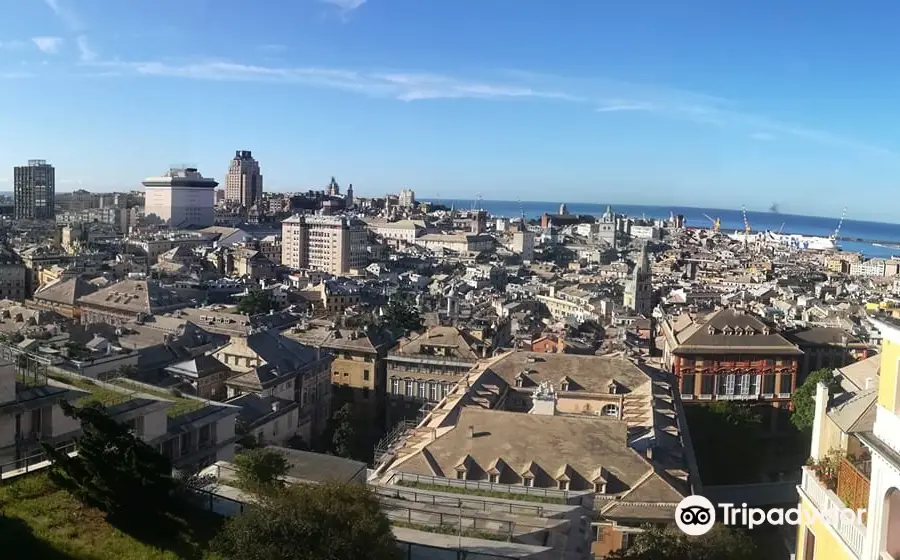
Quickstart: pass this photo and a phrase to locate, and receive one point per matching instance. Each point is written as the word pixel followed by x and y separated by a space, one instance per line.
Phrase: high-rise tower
pixel 34 191
pixel 639 290
pixel 244 183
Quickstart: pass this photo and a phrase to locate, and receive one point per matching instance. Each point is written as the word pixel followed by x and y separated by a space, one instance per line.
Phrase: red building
pixel 731 355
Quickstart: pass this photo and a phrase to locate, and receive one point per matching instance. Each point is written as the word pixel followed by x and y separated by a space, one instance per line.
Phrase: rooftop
pixel 120 391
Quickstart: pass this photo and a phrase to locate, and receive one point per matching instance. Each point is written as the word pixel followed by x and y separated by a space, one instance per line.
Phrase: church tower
pixel 639 290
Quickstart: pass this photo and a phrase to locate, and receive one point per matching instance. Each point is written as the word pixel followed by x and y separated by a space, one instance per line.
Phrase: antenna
pixel 522 210
pixel 747 229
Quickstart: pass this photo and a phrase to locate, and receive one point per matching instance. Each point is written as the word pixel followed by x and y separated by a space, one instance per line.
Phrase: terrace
pixel 119 391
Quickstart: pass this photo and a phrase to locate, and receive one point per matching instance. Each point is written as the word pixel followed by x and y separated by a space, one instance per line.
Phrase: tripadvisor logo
pixel 696 515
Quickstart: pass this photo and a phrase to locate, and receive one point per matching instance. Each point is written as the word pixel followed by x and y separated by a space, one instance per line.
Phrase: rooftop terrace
pixel 119 391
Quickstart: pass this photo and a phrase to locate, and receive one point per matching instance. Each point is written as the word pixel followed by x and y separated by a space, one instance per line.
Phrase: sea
pixel 731 220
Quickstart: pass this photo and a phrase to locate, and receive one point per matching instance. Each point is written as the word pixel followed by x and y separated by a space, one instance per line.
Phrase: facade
pixel 244 183
pixel 639 290
pixel 730 355
pixel 406 198
pixel 523 244
pixel 34 191
pixel 180 198
pixel 856 463
pixel 334 244
pixel 12 275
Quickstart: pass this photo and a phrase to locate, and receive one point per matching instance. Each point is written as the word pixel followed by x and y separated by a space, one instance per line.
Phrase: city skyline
pixel 743 105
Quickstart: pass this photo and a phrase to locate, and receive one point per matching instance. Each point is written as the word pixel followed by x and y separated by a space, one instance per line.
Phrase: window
pixel 495 478
pixel 707 384
pixel 365 375
pixel 435 394
pixel 786 379
pixel 395 386
pixel 687 384
pixel 528 481
pixel 563 484
pixel 754 384
pixel 461 474
pixel 410 387
pixel 738 384
pixel 610 410
pixel 809 545
pixel 423 390
pixel 768 387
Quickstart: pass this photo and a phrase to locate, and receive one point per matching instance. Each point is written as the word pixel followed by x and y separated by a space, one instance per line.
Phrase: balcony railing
pixel 852 533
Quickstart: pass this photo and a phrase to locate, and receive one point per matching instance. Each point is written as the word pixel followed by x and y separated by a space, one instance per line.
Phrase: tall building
pixel 335 244
pixel 181 198
pixel 850 492
pixel 333 188
pixel 34 187
pixel 407 198
pixel 639 290
pixel 244 183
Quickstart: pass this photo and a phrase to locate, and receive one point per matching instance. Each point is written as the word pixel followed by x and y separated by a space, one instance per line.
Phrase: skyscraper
pixel 244 183
pixel 34 187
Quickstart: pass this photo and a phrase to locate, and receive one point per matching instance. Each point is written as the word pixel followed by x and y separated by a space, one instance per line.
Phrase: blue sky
pixel 697 103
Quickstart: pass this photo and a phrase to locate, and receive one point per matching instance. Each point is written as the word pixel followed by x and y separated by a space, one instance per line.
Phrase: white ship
pixel 792 240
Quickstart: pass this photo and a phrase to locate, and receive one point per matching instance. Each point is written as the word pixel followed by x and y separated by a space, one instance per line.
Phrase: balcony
pixel 851 533
pixel 853 483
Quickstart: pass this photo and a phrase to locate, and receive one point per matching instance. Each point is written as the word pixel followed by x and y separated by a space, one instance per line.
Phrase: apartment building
pixel 855 456
pixel 244 182
pixel 12 275
pixel 268 364
pixel 34 187
pixel 730 355
pixel 334 244
pixel 190 431
pixel 577 471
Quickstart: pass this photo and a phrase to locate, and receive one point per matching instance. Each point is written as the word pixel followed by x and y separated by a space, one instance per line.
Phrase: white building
pixel 407 198
pixel 871 267
pixel 181 198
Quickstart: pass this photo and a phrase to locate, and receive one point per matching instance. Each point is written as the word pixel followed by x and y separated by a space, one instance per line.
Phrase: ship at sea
pixel 790 240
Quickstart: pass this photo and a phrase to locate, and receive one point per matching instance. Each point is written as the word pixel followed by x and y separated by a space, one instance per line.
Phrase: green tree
pixel 804 398
pixel 114 470
pixel 345 438
pixel 721 543
pixel 260 469
pixel 401 317
pixel 330 521
pixel 711 427
pixel 254 303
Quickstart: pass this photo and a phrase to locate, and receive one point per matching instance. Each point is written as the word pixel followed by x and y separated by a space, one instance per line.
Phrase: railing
pixel 852 486
pixel 385 445
pixel 425 497
pixel 508 489
pixel 216 503
pixel 458 520
pixel 33 462
pixel 852 533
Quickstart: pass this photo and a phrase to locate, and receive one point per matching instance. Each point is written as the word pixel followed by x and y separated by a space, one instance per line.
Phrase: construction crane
pixel 716 222
pixel 747 229
pixel 837 230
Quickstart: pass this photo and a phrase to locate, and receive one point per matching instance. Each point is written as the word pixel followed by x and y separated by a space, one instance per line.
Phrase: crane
pixel 716 222
pixel 747 229
pixel 837 230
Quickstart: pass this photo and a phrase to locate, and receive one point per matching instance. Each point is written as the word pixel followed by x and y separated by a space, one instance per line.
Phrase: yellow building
pixel 856 462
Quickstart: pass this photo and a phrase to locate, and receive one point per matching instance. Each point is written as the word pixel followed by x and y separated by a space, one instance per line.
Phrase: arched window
pixel 610 410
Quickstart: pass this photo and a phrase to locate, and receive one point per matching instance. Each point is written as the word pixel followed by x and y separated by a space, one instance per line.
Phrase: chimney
pixel 822 398
pixel 868 382
pixel 650 453
pixel 275 405
pixel 472 432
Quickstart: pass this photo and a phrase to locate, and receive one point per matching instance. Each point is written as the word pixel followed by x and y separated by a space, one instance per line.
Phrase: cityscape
pixel 549 387
pixel 469 280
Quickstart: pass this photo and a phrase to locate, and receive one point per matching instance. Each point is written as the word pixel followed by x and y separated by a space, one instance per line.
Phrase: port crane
pixel 716 222
pixel 837 230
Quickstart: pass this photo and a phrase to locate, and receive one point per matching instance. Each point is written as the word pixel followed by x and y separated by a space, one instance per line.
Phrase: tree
pixel 400 316
pixel 254 303
pixel 114 470
pixel 344 438
pixel 804 398
pixel 329 521
pixel 260 469
pixel 718 422
pixel 721 543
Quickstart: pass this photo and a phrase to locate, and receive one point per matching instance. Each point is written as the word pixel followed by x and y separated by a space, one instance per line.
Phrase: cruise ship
pixel 793 240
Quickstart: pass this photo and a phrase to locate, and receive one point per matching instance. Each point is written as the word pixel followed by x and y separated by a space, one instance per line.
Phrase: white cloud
pixel 63 12
pixel 345 6
pixel 604 96
pixel 49 45
pixel 85 51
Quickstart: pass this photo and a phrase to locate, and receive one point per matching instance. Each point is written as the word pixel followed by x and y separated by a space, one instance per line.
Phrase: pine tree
pixel 114 470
